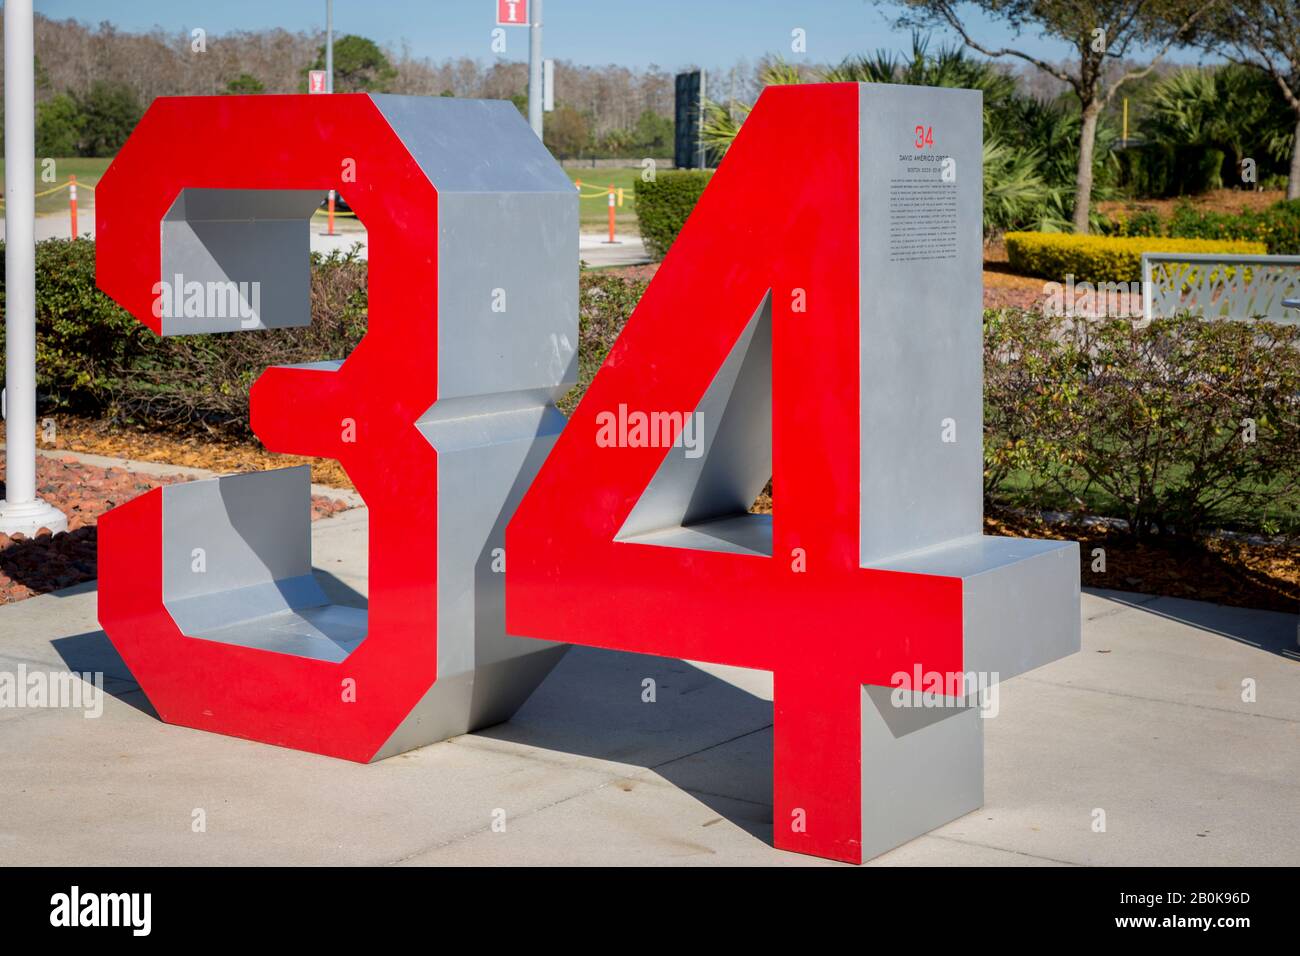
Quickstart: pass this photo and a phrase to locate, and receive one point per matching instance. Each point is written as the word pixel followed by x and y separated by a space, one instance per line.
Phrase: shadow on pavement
pixel 701 734
pixel 1272 631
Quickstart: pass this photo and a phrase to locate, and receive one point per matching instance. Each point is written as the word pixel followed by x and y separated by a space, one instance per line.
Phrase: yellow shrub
pixel 1054 255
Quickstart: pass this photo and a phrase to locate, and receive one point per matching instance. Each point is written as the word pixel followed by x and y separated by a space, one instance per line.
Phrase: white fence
pixel 1220 286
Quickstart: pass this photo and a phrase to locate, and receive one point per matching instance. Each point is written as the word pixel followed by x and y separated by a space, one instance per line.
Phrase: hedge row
pixel 1176 425
pixel 1277 227
pixel 663 203
pixel 1159 170
pixel 93 358
pixel 1054 255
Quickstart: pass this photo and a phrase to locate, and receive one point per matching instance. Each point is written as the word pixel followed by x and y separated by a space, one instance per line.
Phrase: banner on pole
pixel 512 13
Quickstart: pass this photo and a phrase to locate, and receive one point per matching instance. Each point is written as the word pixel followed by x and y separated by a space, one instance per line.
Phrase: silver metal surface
pixel 1219 285
pixel 245 252
pixel 507 349
pixel 921 767
pixel 921 347
pixel 717 488
pixel 921 321
pixel 1020 598
pixel 237 566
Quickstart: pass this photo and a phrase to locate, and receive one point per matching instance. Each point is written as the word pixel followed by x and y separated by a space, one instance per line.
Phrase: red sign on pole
pixel 316 81
pixel 512 13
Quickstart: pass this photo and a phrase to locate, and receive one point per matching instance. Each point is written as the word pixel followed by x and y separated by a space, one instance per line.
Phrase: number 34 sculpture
pixel 816 322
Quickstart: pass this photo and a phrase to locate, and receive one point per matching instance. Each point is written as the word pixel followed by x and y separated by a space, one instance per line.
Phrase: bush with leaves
pixel 664 203
pixel 93 357
pixel 1142 222
pixel 1160 170
pixel 1053 255
pixel 1178 426
pixel 604 303
pixel 1278 226
pixel 1232 108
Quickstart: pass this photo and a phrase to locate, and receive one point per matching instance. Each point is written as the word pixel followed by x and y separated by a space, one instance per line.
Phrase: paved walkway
pixel 1147 723
pixel 592 248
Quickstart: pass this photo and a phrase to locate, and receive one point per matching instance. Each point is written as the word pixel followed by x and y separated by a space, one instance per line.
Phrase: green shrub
pixel 1142 422
pixel 1055 255
pixel 1200 169
pixel 1159 170
pixel 1143 222
pixel 663 204
pixel 1146 171
pixel 1188 222
pixel 1145 422
pixel 604 303
pixel 1277 227
pixel 93 357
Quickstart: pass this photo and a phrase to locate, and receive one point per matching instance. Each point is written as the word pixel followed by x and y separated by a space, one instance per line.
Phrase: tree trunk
pixel 1083 176
pixel 1293 179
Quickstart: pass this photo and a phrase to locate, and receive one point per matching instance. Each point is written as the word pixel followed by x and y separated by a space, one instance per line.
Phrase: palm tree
pixel 1232 108
pixel 1027 186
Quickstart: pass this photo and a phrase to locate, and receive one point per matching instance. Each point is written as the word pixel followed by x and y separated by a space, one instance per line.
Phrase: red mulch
pixel 31 566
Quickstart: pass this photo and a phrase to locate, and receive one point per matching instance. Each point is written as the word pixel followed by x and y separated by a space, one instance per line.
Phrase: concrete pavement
pixel 1147 724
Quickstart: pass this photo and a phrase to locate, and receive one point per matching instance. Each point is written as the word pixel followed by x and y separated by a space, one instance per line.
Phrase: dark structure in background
pixel 688 148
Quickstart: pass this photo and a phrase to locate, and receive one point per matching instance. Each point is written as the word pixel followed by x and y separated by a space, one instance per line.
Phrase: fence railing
pixel 1220 286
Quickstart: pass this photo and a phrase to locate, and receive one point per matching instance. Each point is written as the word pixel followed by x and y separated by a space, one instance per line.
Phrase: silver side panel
pixel 245 251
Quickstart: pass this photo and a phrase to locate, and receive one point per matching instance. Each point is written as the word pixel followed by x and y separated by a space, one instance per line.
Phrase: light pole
pixel 535 67
pixel 20 510
pixel 329 46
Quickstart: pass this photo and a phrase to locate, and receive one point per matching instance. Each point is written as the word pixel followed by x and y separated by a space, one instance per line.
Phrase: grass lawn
pixel 593 210
pixel 87 172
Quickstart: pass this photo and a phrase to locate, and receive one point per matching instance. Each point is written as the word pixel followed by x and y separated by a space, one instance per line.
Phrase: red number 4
pixel 755 321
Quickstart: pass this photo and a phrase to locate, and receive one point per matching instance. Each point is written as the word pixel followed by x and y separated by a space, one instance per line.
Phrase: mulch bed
pixel 215 451
pixel 1231 570
pixel 46 562
pixel 1227 570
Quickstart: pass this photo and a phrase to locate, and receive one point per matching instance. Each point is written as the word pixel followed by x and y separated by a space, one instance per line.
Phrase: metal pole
pixel 535 67
pixel 329 46
pixel 21 510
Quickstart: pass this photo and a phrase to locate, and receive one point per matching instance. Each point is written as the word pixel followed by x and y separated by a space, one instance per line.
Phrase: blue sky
pixel 670 33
